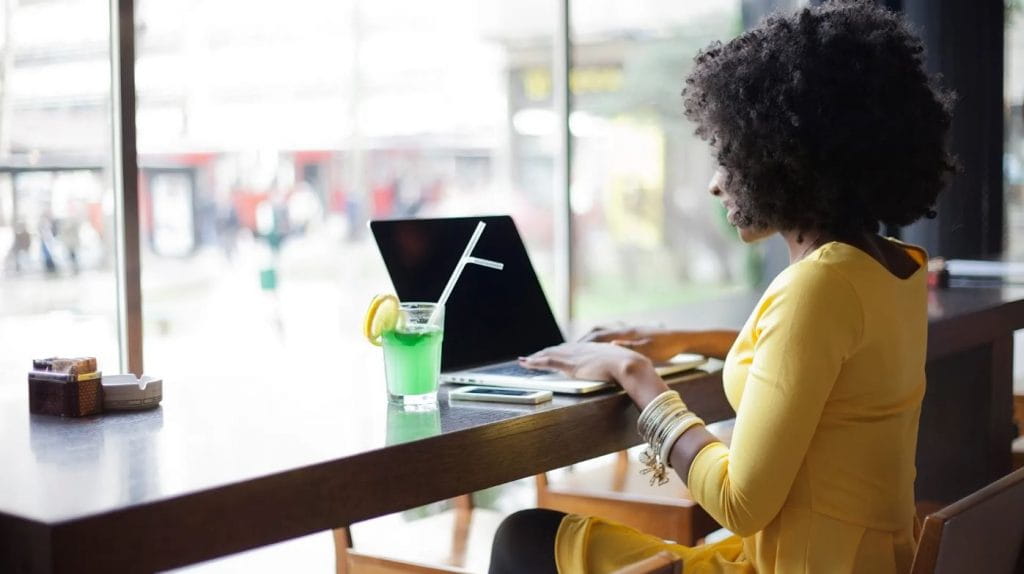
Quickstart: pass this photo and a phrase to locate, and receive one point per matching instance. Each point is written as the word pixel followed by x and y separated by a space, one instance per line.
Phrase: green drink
pixel 412 360
pixel 412 355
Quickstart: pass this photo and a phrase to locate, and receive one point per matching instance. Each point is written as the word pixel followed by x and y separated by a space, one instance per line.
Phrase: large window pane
pixel 647 234
pixel 57 281
pixel 269 133
pixel 1013 158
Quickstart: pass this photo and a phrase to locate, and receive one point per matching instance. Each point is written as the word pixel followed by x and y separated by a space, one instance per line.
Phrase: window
pixel 1013 155
pixel 647 234
pixel 270 133
pixel 57 280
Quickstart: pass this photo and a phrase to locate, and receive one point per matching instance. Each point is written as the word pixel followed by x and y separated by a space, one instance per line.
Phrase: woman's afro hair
pixel 825 119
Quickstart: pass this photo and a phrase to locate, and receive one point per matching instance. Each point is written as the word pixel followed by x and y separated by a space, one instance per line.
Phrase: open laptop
pixel 492 317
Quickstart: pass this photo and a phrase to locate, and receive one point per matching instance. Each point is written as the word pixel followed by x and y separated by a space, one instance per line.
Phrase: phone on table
pixel 500 395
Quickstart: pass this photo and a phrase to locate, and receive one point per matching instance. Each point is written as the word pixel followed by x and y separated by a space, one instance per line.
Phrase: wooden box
pixel 65 387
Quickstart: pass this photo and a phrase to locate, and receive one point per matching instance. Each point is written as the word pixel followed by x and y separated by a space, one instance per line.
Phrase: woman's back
pixel 847 420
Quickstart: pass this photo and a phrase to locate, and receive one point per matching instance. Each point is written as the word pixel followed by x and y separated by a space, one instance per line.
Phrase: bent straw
pixel 486 263
pixel 457 272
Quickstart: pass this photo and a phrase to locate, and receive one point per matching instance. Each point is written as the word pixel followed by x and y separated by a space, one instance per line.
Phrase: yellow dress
pixel 827 378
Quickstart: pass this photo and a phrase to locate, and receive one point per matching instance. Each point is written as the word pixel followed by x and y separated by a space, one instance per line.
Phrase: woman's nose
pixel 715 185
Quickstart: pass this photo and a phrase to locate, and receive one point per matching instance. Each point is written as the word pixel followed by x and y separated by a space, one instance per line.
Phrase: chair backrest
pixel 981 533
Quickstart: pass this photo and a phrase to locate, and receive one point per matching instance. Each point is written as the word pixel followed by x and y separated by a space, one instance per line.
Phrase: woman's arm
pixel 635 374
pixel 662 344
pixel 643 385
pixel 804 332
pixel 714 344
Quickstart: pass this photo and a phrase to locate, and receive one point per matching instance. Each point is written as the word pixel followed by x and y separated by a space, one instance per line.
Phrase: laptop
pixel 492 317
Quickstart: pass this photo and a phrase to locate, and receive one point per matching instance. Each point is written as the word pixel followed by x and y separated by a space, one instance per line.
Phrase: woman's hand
pixel 660 344
pixel 602 362
pixel 655 343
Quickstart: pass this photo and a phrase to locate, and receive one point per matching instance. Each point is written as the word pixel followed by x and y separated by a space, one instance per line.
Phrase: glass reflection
pixel 89 462
pixel 407 424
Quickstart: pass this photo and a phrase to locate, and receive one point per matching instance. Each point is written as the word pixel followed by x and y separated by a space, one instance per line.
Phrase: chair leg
pixel 342 542
pixel 353 562
pixel 621 468
pixel 460 534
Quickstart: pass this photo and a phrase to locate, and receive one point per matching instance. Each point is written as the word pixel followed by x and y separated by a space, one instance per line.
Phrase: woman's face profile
pixel 748 234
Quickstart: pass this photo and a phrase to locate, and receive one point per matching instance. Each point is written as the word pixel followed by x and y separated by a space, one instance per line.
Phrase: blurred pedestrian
pixel 69 233
pixel 227 229
pixel 20 248
pixel 48 241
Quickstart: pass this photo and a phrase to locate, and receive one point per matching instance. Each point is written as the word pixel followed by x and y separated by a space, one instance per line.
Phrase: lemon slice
pixel 380 317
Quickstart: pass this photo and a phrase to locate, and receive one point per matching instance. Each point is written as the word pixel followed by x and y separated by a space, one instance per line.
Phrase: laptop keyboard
pixel 511 370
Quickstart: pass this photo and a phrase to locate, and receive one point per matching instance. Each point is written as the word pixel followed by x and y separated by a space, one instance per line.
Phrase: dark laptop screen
pixel 491 315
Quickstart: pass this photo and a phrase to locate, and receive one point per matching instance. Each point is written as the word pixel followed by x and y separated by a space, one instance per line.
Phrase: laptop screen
pixel 491 315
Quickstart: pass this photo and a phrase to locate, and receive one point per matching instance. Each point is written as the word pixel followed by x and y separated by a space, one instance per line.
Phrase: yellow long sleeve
pixel 796 360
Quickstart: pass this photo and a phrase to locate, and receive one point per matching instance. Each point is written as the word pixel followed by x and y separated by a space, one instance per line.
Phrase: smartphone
pixel 500 395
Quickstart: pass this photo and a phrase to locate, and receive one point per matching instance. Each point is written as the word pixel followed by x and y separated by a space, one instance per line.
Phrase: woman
pixel 824 124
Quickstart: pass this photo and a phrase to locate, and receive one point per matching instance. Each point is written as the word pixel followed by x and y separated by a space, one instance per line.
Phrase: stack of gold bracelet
pixel 661 424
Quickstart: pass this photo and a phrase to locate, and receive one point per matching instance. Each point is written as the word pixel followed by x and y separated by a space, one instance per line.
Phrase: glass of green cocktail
pixel 411 335
pixel 412 354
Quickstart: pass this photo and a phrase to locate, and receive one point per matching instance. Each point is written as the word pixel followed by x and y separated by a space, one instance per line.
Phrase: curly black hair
pixel 825 119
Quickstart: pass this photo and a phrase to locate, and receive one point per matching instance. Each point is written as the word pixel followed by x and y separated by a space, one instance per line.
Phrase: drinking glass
pixel 412 355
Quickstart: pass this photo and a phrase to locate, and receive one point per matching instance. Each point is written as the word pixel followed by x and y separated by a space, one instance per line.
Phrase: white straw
pixel 485 263
pixel 458 271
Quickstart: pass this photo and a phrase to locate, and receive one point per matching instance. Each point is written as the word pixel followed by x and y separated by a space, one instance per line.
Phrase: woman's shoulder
pixel 815 284
pixel 815 296
pixel 842 277
pixel 818 272
pixel 888 261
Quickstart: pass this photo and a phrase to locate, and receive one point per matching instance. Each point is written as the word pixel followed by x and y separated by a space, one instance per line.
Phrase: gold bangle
pixel 677 431
pixel 657 424
pixel 648 412
pixel 655 434
pixel 653 414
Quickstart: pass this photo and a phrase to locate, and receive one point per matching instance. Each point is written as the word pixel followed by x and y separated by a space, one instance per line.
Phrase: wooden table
pixel 222 468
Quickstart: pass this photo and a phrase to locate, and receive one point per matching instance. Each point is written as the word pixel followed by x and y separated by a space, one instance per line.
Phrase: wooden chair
pixel 616 491
pixel 983 532
pixel 350 561
pixel 660 563
pixel 358 563
pixel 619 492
